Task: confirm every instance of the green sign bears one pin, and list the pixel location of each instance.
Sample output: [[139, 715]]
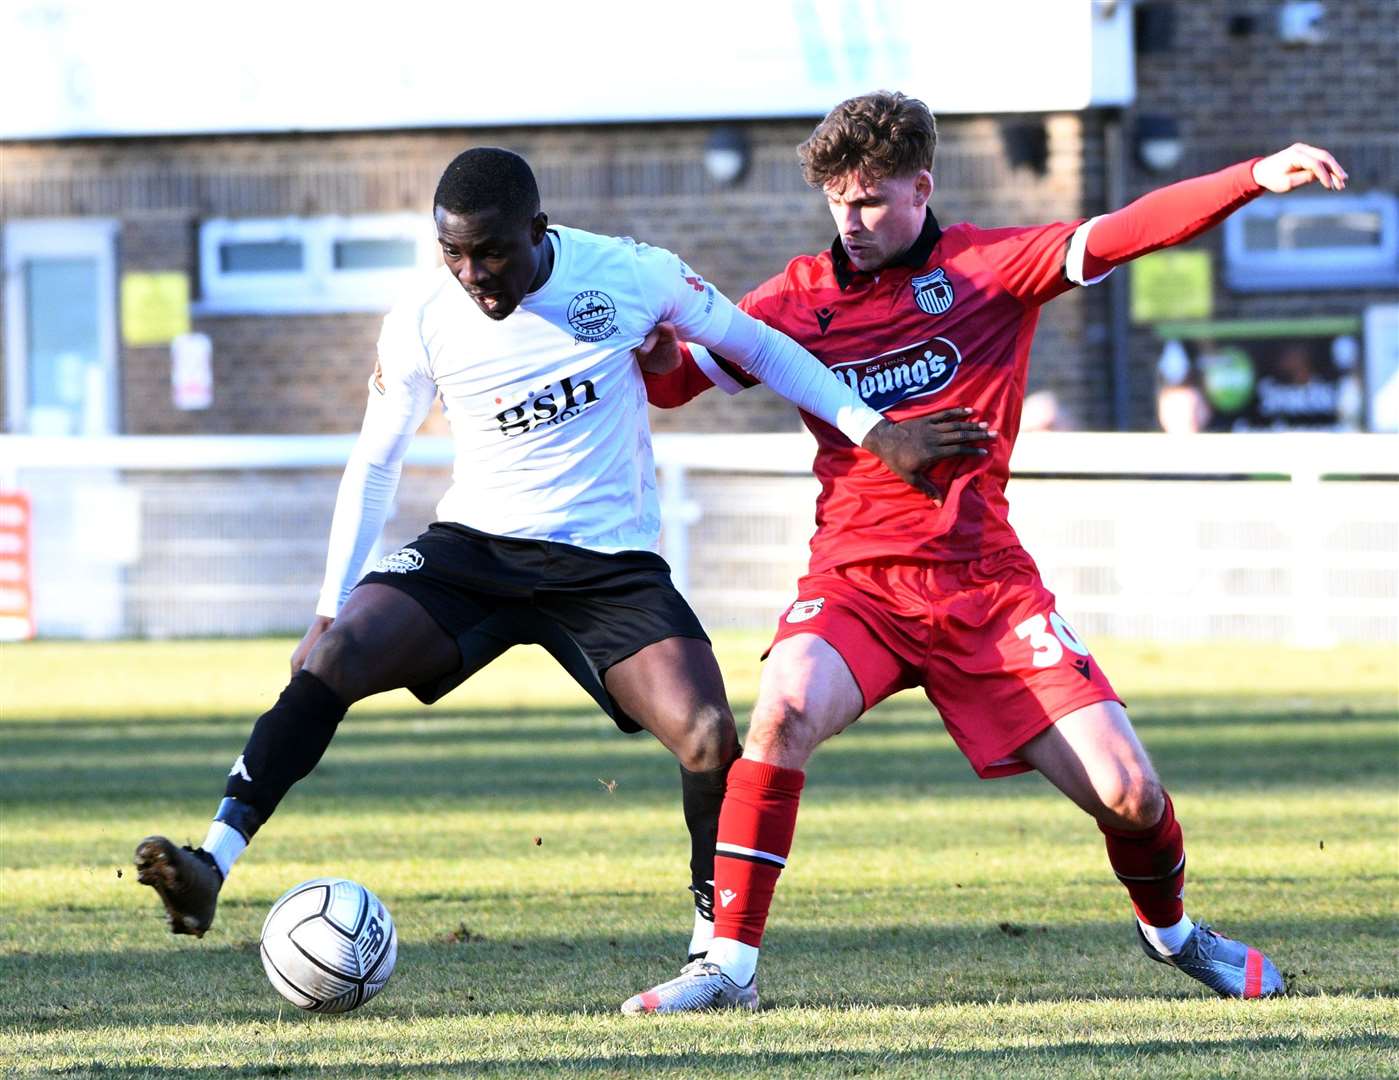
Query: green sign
[[1227, 377], [1172, 285]]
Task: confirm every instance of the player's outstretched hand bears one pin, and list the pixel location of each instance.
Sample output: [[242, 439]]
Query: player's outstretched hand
[[659, 351], [308, 642], [1297, 165], [911, 447]]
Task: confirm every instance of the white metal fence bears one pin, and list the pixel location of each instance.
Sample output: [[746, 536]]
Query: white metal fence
[[1289, 537]]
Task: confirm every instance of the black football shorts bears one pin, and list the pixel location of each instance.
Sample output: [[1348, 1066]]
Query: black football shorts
[[588, 609]]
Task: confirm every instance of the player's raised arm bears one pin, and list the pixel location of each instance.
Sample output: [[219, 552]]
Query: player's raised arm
[[400, 395], [1181, 211]]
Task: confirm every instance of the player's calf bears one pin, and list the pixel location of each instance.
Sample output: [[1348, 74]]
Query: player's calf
[[186, 879]]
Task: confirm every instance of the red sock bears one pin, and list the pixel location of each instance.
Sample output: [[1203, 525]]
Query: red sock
[[755, 835], [1151, 864]]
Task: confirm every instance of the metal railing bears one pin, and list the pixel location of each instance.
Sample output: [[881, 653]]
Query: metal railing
[[1285, 537]]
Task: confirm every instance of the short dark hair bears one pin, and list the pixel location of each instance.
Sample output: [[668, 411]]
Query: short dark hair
[[874, 136], [489, 178]]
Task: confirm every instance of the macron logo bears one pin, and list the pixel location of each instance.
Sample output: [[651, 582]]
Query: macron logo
[[240, 769], [726, 896]]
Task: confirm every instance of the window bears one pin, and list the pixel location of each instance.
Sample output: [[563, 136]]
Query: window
[[307, 265], [388, 254], [1332, 241], [260, 256]]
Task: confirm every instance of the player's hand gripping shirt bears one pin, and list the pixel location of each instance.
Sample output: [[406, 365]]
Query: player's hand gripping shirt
[[947, 325], [547, 407]]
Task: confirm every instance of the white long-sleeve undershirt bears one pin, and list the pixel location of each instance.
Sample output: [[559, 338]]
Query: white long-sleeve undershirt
[[776, 360], [365, 496]]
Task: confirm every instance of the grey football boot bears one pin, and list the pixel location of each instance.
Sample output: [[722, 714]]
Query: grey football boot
[[1228, 967], [186, 879], [699, 987]]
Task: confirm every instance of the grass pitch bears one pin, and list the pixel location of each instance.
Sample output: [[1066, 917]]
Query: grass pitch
[[930, 924]]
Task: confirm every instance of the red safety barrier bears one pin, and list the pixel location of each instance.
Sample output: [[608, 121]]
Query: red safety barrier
[[16, 577]]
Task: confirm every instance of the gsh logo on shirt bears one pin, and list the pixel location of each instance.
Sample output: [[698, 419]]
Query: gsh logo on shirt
[[548, 406]]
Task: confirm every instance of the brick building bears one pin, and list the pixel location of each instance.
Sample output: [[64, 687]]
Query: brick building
[[1217, 71], [648, 181]]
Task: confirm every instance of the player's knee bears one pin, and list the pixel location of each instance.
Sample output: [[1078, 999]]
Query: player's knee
[[1135, 802], [783, 726], [710, 739], [336, 657]]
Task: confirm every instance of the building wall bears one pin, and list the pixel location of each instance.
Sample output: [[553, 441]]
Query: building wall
[[306, 373], [1237, 91], [1232, 86]]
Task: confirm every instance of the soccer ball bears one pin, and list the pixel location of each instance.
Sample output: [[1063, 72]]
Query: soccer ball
[[328, 945]]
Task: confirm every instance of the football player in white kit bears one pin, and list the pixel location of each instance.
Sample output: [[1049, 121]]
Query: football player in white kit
[[548, 533]]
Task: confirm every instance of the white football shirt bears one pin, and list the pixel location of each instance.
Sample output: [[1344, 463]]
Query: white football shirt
[[547, 407]]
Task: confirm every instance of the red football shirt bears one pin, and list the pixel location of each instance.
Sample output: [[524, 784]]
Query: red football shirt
[[949, 324]]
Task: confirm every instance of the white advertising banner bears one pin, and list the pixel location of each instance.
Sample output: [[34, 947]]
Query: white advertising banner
[[151, 67]]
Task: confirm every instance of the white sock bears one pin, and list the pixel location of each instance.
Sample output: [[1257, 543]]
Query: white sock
[[225, 844], [1168, 939], [735, 959], [702, 934]]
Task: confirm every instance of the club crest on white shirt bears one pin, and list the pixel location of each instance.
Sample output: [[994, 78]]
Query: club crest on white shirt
[[593, 316], [806, 609]]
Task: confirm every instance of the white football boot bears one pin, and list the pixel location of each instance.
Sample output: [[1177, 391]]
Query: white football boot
[[699, 987]]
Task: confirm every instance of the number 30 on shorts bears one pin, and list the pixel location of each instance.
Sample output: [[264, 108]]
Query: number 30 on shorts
[[1049, 647]]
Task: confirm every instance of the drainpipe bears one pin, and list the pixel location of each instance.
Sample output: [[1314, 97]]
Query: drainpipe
[[1119, 327]]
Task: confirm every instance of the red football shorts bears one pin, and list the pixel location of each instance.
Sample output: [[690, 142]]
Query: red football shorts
[[981, 638]]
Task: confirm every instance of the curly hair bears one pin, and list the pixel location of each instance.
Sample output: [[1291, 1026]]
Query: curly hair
[[874, 136]]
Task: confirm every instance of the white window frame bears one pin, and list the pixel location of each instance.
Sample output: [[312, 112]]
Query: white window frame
[[317, 287], [1315, 268]]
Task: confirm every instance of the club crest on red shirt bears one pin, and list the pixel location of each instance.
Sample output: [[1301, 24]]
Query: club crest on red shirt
[[933, 292]]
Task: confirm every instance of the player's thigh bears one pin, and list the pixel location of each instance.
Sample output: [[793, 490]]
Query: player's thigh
[[673, 688], [383, 639], [853, 636], [807, 694], [1005, 665], [1094, 757], [621, 628]]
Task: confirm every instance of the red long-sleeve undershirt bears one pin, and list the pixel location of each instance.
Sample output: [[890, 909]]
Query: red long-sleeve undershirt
[[1168, 215]]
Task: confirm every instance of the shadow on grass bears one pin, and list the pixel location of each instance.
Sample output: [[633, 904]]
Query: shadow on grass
[[902, 966], [464, 754], [1265, 1053]]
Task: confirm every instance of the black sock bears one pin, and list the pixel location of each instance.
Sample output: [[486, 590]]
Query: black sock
[[287, 742], [702, 794]]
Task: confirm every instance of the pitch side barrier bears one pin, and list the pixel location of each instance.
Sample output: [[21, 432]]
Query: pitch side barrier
[[1266, 537]]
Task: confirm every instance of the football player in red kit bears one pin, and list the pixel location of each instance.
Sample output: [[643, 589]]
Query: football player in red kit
[[908, 589]]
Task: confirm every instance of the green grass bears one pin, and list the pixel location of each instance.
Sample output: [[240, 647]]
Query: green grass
[[930, 924]]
